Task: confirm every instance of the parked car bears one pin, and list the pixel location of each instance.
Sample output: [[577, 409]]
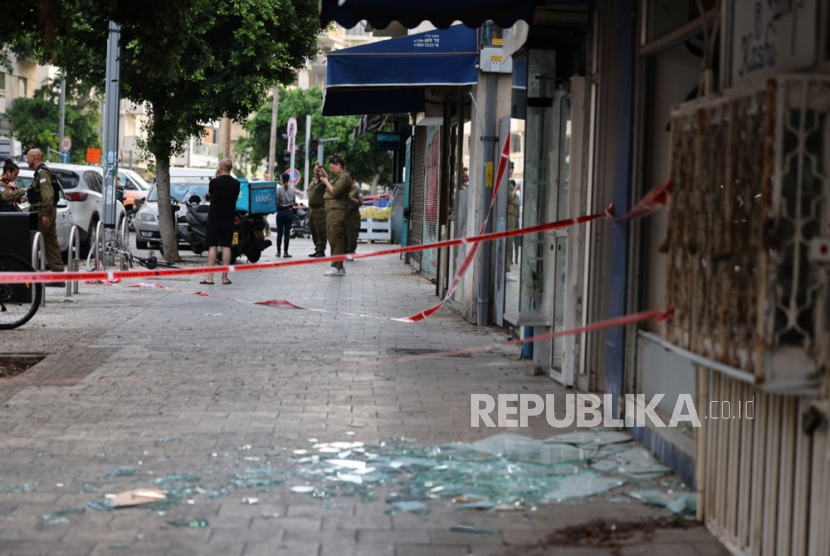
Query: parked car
[[83, 187], [147, 217], [64, 209], [135, 188]]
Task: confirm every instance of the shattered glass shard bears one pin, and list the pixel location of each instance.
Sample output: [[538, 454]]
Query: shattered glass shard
[[651, 497], [597, 437], [579, 486], [412, 506]]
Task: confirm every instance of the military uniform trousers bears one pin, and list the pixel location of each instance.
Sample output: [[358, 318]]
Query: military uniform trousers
[[337, 216], [353, 230], [50, 238], [317, 223]]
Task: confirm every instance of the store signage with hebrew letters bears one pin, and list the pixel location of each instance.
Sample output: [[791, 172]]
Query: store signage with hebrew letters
[[772, 36]]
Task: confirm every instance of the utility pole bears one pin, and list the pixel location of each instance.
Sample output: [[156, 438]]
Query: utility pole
[[63, 116], [307, 141], [111, 106], [272, 152]]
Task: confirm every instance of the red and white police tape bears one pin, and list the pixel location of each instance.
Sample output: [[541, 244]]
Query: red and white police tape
[[658, 315], [645, 207]]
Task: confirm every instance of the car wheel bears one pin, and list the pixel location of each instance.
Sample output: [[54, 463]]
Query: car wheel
[[254, 255], [141, 244], [131, 220], [197, 248], [86, 244]]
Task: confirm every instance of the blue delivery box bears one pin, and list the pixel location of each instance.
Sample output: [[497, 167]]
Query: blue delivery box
[[258, 197]]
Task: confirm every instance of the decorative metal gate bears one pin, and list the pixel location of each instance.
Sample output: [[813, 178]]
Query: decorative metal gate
[[432, 179], [746, 275]]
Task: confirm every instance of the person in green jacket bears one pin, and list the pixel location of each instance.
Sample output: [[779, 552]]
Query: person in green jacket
[[353, 226], [337, 210], [317, 214], [10, 195], [41, 201]]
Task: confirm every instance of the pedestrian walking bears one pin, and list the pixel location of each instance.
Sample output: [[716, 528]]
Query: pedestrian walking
[[286, 199], [337, 210], [44, 201], [223, 191], [353, 225], [10, 194], [317, 213]]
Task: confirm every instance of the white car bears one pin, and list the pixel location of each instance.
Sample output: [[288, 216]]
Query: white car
[[83, 187]]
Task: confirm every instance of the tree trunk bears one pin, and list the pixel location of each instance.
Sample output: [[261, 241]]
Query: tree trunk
[[373, 190], [168, 227]]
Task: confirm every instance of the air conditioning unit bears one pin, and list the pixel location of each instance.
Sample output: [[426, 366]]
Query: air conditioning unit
[[749, 233]]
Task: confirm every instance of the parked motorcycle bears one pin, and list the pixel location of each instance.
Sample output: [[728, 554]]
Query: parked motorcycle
[[300, 227], [249, 236]]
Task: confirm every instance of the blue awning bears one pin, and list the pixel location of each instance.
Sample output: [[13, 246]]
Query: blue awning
[[441, 13], [391, 76]]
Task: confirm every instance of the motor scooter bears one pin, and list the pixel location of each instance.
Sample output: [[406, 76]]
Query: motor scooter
[[248, 231], [195, 228], [299, 228]]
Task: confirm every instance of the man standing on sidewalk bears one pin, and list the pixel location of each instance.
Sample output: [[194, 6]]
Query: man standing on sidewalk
[[42, 200], [317, 213], [223, 192]]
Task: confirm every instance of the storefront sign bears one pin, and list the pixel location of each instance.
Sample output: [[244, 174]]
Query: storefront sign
[[387, 141], [772, 36]]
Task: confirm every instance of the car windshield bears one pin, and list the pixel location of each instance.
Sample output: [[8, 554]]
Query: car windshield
[[25, 182], [137, 179], [180, 191]]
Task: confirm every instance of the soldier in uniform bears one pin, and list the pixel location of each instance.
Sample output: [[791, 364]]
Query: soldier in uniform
[[317, 213], [10, 195], [42, 201], [337, 210], [353, 225]]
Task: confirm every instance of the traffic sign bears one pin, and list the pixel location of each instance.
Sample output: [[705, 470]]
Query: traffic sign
[[66, 144], [295, 175], [93, 156]]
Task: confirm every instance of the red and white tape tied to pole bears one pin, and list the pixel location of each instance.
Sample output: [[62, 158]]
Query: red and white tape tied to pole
[[651, 202], [656, 315]]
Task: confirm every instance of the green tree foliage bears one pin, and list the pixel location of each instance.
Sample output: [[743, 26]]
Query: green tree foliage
[[188, 62], [364, 162], [35, 120]]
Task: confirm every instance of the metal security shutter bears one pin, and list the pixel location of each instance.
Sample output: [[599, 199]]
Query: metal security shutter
[[416, 182], [432, 178]]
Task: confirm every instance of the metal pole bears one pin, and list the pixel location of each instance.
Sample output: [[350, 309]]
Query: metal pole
[[292, 144], [272, 151], [63, 116], [112, 97], [488, 151], [307, 141]]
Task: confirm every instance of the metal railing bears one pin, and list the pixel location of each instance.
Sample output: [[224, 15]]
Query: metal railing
[[124, 254], [39, 253], [100, 263], [73, 261]]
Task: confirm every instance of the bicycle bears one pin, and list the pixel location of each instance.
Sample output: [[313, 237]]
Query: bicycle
[[18, 302], [116, 243]]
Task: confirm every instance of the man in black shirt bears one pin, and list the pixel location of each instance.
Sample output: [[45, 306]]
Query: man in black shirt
[[222, 194]]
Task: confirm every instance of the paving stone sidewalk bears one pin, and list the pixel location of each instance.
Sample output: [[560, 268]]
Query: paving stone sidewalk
[[142, 385]]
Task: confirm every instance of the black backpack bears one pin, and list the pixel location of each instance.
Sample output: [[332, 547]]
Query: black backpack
[[34, 195]]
